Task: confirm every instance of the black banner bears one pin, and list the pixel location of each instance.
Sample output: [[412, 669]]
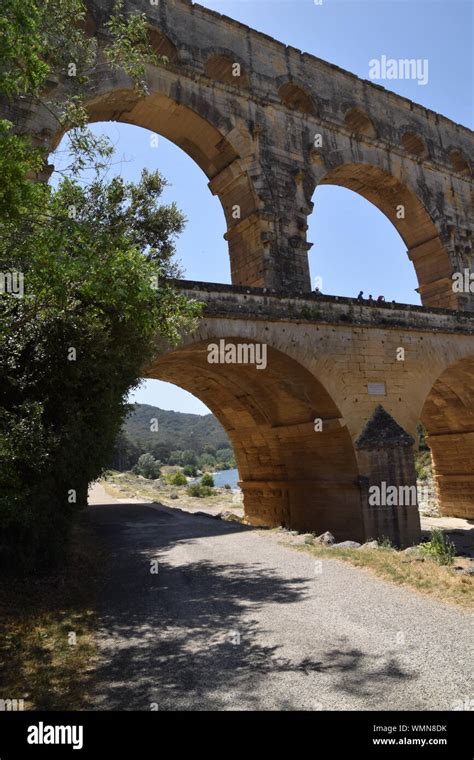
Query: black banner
[[377, 734]]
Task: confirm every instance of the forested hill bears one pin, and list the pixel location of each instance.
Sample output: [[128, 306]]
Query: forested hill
[[176, 431]]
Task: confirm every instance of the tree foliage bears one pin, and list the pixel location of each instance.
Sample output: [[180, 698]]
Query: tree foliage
[[94, 261]]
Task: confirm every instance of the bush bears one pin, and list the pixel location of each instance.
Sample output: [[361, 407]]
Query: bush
[[207, 480], [439, 548], [199, 491], [147, 466], [423, 465], [227, 486], [178, 479], [190, 471]]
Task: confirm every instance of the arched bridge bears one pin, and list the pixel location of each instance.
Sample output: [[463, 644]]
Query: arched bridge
[[333, 412]]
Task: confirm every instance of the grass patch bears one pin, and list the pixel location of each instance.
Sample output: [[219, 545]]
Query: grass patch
[[438, 581], [39, 662]]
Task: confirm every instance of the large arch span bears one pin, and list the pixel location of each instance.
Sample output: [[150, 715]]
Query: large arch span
[[448, 417], [291, 473]]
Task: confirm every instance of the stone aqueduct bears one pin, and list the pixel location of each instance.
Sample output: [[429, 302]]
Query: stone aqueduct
[[330, 358]]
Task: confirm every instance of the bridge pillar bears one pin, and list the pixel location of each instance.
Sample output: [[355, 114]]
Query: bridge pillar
[[305, 505], [266, 205], [388, 481]]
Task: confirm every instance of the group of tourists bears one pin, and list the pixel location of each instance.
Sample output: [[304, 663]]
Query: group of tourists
[[360, 297]]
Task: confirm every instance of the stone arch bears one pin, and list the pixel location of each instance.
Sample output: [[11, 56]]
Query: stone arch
[[448, 417], [223, 152], [220, 66], [459, 162], [297, 98], [413, 144], [359, 123], [290, 474], [413, 221], [162, 44]]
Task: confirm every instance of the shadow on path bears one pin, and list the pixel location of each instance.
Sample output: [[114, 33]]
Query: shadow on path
[[194, 636]]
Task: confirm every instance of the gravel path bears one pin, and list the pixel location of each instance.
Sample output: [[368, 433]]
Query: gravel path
[[234, 620]]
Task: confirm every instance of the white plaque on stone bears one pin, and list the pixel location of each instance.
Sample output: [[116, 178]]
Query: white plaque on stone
[[376, 389]]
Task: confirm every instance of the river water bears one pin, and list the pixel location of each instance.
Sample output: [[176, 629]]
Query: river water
[[226, 476]]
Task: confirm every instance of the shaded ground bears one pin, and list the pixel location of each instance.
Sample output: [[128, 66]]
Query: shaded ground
[[234, 620]]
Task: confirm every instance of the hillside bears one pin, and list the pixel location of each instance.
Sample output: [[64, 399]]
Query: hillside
[[176, 431]]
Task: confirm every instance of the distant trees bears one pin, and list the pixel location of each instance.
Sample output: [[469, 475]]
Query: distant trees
[[206, 460], [189, 430], [225, 458], [189, 457], [126, 453]]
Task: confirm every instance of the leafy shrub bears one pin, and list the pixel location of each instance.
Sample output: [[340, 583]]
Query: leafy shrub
[[199, 491], [423, 464], [178, 479], [190, 471], [147, 466], [439, 548], [207, 480]]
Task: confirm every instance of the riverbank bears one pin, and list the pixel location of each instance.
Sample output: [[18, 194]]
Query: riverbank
[[123, 485]]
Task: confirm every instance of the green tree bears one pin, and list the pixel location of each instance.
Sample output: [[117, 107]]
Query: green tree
[[125, 454], [189, 457], [207, 480], [147, 466], [95, 262], [206, 460], [175, 457]]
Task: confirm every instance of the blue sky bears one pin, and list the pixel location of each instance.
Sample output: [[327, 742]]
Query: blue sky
[[355, 246]]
